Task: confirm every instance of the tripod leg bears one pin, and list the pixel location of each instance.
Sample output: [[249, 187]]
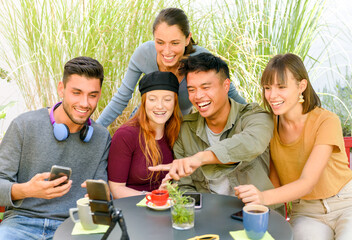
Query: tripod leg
[[123, 227], [117, 216], [107, 233]]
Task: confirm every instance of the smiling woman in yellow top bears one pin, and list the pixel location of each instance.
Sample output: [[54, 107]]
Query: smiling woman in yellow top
[[309, 164]]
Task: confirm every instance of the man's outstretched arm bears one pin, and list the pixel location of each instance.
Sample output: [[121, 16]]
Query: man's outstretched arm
[[186, 166]]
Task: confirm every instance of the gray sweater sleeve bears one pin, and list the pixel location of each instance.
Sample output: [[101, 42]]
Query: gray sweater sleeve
[[143, 60], [101, 172], [29, 147], [10, 155], [234, 94]]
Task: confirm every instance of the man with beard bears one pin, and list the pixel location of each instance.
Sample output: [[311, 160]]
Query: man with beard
[[62, 135]]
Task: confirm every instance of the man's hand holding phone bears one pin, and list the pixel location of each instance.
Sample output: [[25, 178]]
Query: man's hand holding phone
[[58, 185], [58, 172], [39, 187], [49, 189]]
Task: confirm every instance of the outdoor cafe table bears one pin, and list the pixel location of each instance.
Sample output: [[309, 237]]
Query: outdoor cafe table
[[212, 218]]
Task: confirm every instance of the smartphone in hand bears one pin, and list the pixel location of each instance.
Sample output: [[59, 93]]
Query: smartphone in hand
[[60, 171]]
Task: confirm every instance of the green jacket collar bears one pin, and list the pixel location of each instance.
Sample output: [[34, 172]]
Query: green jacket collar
[[197, 124]]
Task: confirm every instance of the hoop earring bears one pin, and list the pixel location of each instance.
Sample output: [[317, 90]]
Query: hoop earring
[[301, 99]]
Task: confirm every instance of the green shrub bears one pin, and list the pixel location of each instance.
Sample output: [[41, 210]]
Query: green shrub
[[3, 109], [340, 103], [40, 36]]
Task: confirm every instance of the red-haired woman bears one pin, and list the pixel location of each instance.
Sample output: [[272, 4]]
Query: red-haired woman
[[172, 42], [146, 139]]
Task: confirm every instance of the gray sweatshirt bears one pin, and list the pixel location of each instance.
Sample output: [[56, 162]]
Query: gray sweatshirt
[[29, 147]]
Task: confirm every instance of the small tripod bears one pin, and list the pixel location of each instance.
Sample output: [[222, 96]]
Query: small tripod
[[110, 218]]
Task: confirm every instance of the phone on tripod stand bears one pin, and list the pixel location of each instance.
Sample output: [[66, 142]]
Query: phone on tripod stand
[[102, 208], [99, 201]]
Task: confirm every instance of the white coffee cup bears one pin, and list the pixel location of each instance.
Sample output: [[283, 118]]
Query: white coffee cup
[[84, 214]]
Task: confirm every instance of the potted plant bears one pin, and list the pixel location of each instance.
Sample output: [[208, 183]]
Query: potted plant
[[182, 208]]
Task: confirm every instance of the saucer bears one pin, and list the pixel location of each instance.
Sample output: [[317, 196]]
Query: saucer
[[159, 208]]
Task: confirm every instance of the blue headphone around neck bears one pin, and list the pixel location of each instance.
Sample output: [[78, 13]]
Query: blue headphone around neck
[[61, 131]]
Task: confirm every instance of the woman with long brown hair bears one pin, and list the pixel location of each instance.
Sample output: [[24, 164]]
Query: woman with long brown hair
[[146, 139], [309, 164], [172, 42]]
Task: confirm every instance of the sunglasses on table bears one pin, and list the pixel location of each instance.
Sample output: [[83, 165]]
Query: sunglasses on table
[[206, 237]]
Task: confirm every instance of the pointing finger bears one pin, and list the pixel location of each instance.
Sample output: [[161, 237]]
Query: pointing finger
[[161, 167]]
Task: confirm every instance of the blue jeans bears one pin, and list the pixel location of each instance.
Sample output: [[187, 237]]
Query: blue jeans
[[19, 227]]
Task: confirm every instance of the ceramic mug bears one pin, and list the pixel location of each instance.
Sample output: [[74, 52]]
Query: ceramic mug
[[158, 197], [84, 214], [255, 220]]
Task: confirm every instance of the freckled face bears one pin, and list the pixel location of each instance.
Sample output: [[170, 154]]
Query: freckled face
[[159, 106]]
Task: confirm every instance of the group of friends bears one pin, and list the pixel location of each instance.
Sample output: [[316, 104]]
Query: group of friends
[[191, 126]]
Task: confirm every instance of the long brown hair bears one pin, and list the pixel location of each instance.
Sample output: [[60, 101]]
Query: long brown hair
[[147, 141], [277, 67]]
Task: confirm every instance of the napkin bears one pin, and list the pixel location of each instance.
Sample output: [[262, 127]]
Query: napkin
[[142, 203], [241, 235], [78, 229]]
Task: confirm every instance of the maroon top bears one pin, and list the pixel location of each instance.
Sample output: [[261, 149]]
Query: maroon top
[[127, 163]]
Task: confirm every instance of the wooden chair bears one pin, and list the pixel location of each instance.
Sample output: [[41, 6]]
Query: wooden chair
[[348, 146]]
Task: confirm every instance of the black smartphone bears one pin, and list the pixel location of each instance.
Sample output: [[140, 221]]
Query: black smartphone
[[197, 197], [237, 215], [99, 201], [60, 171]]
